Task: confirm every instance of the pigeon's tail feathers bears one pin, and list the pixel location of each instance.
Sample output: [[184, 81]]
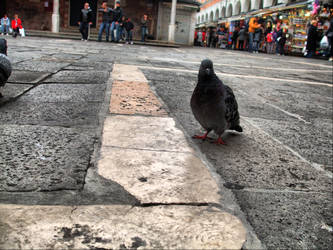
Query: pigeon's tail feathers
[[237, 128]]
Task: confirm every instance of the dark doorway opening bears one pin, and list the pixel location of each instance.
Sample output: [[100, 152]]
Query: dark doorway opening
[[3, 9], [75, 9]]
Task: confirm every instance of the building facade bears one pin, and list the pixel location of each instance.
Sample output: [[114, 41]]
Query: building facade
[[63, 15]]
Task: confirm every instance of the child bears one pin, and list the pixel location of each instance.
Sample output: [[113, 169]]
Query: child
[[129, 26], [269, 42]]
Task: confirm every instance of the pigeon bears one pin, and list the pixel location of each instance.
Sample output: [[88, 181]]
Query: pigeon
[[213, 104]]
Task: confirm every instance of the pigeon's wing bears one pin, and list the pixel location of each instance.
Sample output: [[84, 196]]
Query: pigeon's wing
[[231, 114]]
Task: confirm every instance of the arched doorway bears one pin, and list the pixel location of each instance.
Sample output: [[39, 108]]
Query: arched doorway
[[247, 6], [223, 12]]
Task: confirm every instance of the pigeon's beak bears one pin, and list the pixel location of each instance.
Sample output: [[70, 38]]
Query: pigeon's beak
[[208, 71]]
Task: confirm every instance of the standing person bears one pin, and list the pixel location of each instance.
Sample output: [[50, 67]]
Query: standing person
[[5, 24], [144, 25], [106, 19], [16, 25], [199, 38], [269, 43], [256, 40], [241, 38], [234, 38], [329, 35], [115, 26], [129, 26], [122, 31], [311, 43], [85, 20], [203, 38], [282, 38], [253, 25]]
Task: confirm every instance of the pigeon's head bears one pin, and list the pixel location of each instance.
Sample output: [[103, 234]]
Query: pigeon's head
[[206, 68]]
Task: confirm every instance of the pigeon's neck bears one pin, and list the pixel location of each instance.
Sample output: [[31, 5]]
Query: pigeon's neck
[[206, 81]]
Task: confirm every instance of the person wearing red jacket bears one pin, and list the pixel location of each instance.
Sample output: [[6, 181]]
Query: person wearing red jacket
[[16, 25]]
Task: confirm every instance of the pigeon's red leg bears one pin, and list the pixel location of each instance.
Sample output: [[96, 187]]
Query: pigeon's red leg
[[220, 141], [202, 137]]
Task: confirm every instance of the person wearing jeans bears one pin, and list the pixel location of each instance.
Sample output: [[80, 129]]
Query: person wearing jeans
[[144, 22], [105, 25], [129, 26], [5, 24], [117, 15], [253, 25]]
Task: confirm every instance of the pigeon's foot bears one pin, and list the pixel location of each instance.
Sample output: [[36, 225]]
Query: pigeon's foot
[[220, 141], [201, 137]]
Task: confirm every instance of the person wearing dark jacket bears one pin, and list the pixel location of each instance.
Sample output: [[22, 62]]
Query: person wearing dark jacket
[[311, 43], [85, 20], [115, 25], [106, 19], [329, 35], [281, 41], [256, 39], [129, 26]]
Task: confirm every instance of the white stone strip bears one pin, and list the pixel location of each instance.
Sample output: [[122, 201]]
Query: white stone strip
[[242, 66], [118, 226], [150, 157], [242, 76]]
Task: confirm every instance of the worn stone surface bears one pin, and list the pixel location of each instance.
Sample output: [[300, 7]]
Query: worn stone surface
[[11, 91], [82, 77], [64, 114], [84, 227], [159, 177], [32, 77], [152, 133], [277, 214], [40, 66], [65, 93], [134, 98], [36, 158]]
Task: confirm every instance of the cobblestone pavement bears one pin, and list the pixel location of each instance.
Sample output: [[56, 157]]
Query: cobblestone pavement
[[66, 99]]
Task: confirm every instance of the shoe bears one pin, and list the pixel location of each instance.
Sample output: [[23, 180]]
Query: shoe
[[331, 59], [86, 40], [82, 39], [3, 34], [132, 43], [7, 34], [126, 42]]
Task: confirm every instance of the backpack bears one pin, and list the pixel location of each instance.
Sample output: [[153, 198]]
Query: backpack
[[3, 46], [269, 37]]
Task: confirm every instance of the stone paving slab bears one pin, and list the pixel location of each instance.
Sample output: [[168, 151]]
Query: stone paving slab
[[134, 98], [44, 113], [159, 177], [22, 76], [118, 227], [284, 219], [138, 132], [40, 66], [65, 93], [37, 158], [11, 91], [81, 77]]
